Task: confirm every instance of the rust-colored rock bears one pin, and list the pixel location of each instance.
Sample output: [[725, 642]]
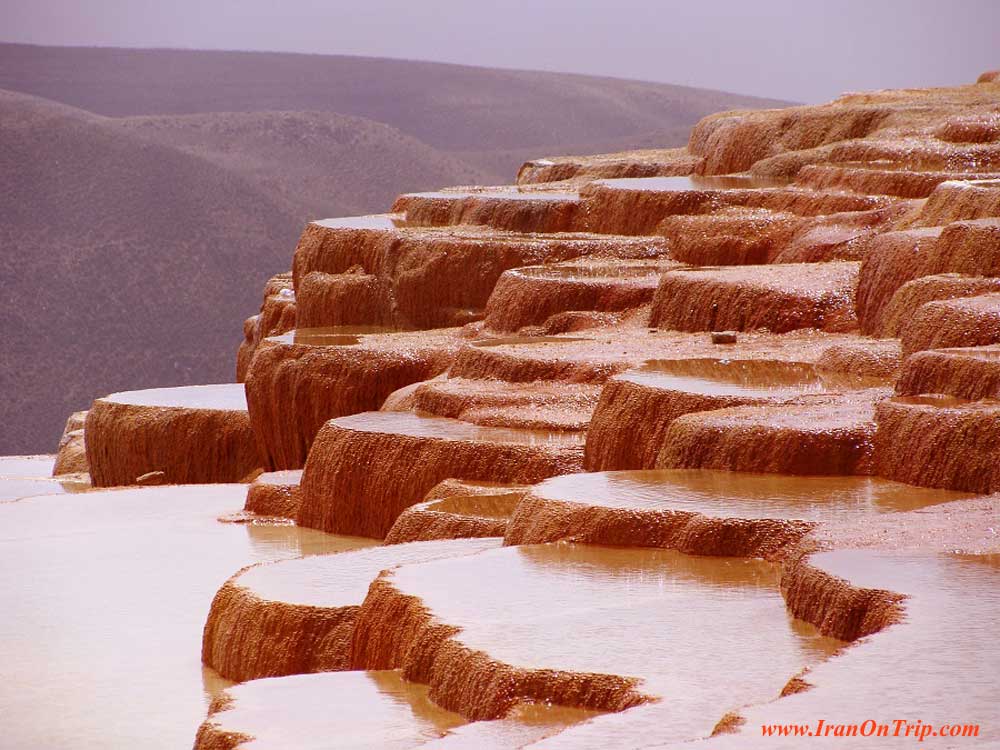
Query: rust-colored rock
[[501, 208], [71, 457], [638, 206], [872, 358], [636, 409], [968, 321], [299, 381], [645, 163], [379, 270], [959, 201], [277, 315], [533, 295], [645, 509], [777, 297], [970, 373], [540, 405], [297, 616], [825, 435], [939, 441], [275, 493], [835, 606], [457, 509], [345, 492], [913, 295], [193, 434]]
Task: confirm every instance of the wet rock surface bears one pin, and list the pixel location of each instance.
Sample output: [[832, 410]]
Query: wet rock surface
[[732, 408]]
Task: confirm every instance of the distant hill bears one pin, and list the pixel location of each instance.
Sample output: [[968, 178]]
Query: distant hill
[[450, 107], [140, 215]]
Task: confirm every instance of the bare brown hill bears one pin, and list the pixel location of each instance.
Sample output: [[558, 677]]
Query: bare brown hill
[[450, 107], [134, 235], [319, 163]]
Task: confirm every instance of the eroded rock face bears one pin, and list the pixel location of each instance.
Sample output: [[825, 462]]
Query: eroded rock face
[[696, 328], [298, 616], [194, 434], [299, 381], [345, 491]]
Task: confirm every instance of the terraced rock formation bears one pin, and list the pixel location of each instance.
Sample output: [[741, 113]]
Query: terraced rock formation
[[649, 449]]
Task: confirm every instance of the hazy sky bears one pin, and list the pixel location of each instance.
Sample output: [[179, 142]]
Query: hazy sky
[[803, 50]]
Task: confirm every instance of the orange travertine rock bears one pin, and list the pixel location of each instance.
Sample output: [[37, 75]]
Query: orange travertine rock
[[638, 206], [509, 208], [704, 512], [824, 435], [457, 509], [644, 163], [277, 315], [529, 635], [275, 493], [539, 405], [533, 295], [380, 270], [345, 491], [868, 358], [193, 434], [626, 592], [970, 373], [780, 298], [297, 616], [913, 295], [300, 380], [873, 178], [71, 456], [939, 441], [630, 424], [960, 200], [892, 260], [968, 321]]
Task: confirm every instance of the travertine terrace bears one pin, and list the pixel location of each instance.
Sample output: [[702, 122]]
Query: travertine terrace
[[648, 449]]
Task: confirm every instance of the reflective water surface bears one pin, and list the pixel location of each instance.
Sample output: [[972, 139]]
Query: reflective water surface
[[939, 665], [444, 428], [28, 476], [328, 336], [750, 378], [373, 221], [744, 181], [343, 579], [743, 495], [705, 634], [349, 710], [222, 396], [104, 596]]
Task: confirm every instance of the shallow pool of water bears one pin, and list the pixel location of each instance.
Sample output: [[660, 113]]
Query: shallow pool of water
[[444, 428], [705, 634], [222, 396], [104, 599], [748, 378], [938, 666], [742, 495]]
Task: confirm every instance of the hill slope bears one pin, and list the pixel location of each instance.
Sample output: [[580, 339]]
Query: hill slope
[[135, 237], [453, 107]]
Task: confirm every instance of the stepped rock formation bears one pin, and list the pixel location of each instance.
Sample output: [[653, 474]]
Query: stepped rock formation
[[194, 434], [349, 488], [716, 400], [457, 509], [298, 616]]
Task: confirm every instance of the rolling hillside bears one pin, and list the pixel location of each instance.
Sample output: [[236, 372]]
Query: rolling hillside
[[151, 192]]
